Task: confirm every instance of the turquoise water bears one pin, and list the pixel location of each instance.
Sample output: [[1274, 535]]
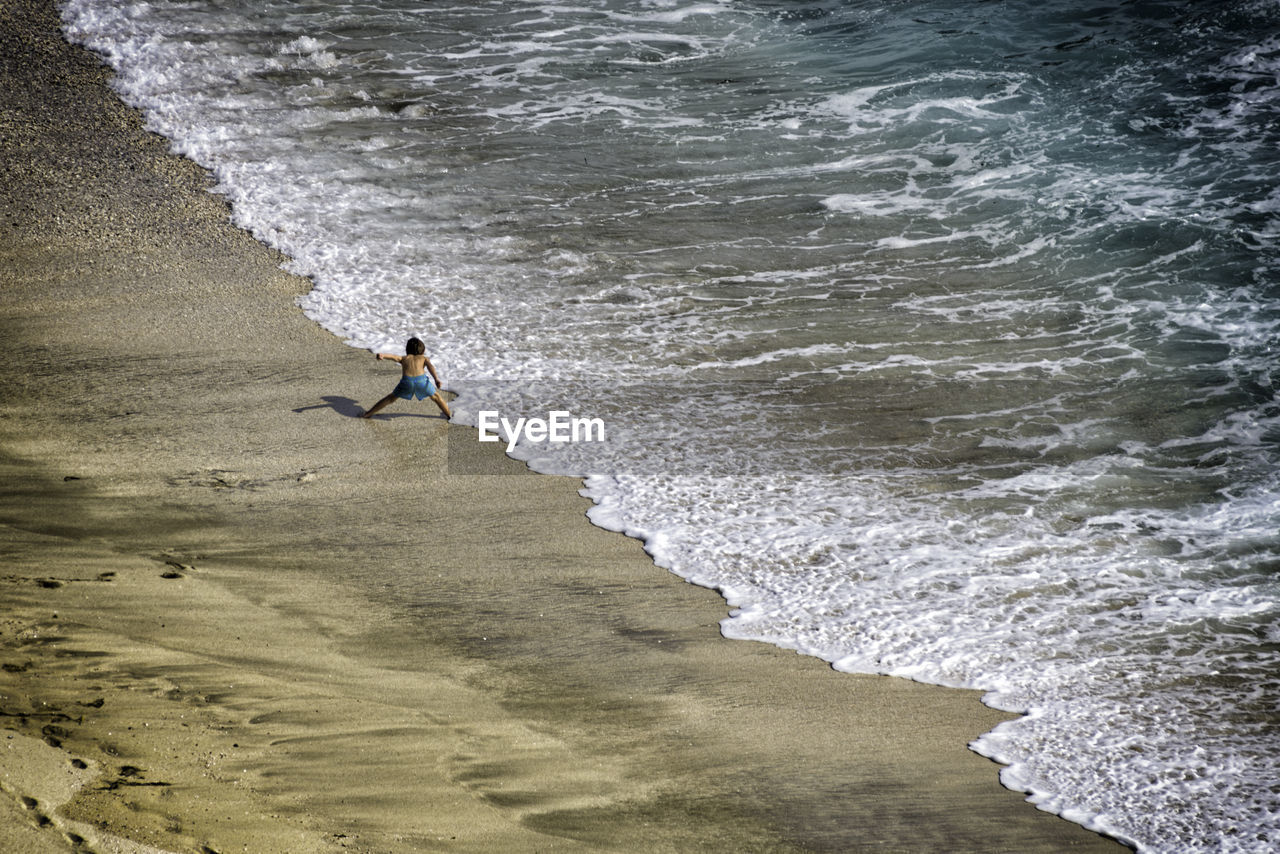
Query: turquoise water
[[940, 337]]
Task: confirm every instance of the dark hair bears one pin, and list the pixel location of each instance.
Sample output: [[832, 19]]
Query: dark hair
[[415, 347]]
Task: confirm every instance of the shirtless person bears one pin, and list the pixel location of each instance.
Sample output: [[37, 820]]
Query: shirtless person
[[414, 380]]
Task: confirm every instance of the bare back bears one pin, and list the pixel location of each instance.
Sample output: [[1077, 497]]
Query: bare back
[[412, 366]]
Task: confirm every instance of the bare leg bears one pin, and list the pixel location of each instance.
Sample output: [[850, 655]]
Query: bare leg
[[440, 402], [379, 406]]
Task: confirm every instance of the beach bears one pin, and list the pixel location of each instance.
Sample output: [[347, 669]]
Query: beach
[[194, 661]]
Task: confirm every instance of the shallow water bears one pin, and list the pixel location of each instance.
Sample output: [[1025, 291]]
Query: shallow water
[[938, 336]]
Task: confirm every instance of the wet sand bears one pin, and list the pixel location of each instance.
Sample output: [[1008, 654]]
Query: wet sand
[[236, 617]]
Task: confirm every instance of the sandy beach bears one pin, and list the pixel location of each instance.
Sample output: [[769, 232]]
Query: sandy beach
[[194, 658]]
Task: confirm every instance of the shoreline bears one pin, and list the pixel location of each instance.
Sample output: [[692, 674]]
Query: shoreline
[[239, 618]]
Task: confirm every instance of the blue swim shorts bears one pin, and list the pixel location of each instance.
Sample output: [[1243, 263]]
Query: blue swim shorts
[[421, 385]]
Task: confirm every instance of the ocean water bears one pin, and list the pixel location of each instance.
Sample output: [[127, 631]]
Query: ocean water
[[940, 337]]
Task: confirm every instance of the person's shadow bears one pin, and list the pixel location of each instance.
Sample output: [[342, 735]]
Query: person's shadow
[[348, 408], [344, 406]]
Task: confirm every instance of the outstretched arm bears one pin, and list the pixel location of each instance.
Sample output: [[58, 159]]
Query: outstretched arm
[[390, 357]]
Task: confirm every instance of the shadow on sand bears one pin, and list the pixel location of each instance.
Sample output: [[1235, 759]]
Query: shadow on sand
[[349, 408], [344, 406]]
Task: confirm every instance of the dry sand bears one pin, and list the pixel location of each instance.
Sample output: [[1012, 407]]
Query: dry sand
[[238, 618]]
